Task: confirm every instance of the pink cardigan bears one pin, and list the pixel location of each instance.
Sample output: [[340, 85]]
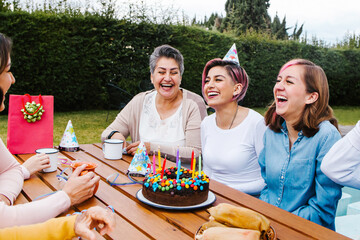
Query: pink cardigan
[[11, 176], [11, 182]]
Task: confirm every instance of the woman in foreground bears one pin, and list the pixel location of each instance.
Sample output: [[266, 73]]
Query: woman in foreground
[[301, 131], [78, 225], [76, 190]]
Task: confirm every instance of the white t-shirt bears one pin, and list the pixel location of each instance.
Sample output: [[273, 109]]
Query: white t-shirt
[[231, 156], [152, 129]]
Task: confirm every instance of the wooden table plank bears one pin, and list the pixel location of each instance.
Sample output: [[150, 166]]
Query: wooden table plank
[[275, 214], [21, 199], [139, 215], [279, 218], [182, 220], [136, 220], [37, 185]]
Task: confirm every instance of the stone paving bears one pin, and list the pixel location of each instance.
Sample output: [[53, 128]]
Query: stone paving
[[344, 129]]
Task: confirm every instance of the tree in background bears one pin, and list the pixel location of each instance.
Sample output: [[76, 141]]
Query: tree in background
[[297, 32], [243, 15], [212, 23], [4, 6], [279, 29], [351, 41]]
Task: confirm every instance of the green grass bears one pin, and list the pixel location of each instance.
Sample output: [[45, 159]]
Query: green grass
[[260, 110], [88, 125], [345, 115]]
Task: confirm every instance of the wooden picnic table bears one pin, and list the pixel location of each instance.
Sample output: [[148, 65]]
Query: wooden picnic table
[[136, 220]]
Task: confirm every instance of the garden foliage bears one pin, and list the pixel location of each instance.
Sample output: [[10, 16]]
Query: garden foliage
[[73, 57]]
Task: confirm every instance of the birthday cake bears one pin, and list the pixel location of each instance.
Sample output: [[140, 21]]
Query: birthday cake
[[167, 190]]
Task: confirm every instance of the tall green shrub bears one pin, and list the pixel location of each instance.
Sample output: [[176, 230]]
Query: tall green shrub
[[73, 57]]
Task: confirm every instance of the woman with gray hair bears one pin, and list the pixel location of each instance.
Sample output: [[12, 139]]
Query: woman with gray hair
[[168, 116]]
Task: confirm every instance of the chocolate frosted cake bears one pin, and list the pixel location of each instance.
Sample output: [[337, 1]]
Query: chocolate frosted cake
[[167, 191]]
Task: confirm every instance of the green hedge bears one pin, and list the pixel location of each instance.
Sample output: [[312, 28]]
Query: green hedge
[[72, 58]]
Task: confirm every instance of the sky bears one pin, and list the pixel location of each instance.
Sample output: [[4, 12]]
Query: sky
[[328, 20]]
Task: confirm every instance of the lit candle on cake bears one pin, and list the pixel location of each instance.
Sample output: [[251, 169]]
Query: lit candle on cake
[[178, 170], [154, 171], [163, 168]]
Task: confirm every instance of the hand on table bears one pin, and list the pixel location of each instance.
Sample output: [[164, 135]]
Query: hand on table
[[79, 188], [102, 219], [37, 162], [131, 148]]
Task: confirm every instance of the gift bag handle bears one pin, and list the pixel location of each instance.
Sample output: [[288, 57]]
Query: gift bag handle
[[40, 101]]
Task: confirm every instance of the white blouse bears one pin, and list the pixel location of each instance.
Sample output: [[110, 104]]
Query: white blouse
[[152, 129]]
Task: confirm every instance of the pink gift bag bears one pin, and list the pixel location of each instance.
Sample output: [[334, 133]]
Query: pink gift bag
[[24, 137]]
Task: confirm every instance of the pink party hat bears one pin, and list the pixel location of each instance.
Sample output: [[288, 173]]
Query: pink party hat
[[232, 55], [69, 142]]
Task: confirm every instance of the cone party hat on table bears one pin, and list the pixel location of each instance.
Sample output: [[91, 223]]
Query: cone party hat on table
[[232, 55], [140, 164], [69, 142]]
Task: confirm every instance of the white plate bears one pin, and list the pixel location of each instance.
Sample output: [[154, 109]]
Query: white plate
[[210, 200]]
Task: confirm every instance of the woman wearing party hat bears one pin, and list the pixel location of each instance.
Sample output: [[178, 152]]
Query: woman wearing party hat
[[231, 138]]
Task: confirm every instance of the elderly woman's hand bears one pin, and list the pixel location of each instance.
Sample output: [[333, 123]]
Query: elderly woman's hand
[[37, 162], [79, 188], [102, 219], [131, 148]]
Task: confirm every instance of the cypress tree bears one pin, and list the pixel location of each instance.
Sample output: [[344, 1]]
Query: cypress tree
[[243, 15]]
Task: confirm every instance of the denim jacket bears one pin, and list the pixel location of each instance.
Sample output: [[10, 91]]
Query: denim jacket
[[294, 180]]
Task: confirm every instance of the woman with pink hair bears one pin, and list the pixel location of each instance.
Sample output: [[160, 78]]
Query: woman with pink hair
[[231, 138]]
